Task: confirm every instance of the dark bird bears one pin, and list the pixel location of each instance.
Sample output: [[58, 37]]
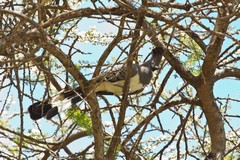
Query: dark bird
[[110, 82]]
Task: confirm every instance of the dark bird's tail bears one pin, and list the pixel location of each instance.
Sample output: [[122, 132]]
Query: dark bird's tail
[[38, 110], [49, 109]]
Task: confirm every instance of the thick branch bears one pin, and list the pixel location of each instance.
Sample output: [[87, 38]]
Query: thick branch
[[86, 12], [227, 72], [215, 45], [214, 121], [205, 89]]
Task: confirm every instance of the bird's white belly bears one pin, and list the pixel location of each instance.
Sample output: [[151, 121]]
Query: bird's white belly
[[135, 84], [116, 87]]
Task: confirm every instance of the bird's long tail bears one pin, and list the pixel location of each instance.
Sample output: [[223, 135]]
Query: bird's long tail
[[49, 109], [38, 110]]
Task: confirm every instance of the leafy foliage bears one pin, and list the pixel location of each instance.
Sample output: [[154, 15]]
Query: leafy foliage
[[194, 55], [80, 118]]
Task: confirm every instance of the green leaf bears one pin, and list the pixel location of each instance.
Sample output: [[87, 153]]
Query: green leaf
[[193, 63], [81, 119]]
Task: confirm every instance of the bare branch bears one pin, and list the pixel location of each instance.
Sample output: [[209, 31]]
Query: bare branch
[[227, 72]]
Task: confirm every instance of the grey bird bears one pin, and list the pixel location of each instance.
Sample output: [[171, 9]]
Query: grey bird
[[108, 83]]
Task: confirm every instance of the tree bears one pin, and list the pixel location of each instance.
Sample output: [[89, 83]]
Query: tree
[[44, 50]]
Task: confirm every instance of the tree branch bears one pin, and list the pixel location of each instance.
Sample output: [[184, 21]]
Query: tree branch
[[90, 96], [227, 72], [156, 112], [85, 12], [65, 142], [174, 62], [189, 32], [110, 47], [133, 52], [215, 45]]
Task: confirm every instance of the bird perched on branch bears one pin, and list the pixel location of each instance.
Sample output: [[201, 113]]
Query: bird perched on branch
[[107, 83]]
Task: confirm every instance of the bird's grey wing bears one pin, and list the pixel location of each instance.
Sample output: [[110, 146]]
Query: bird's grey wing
[[117, 74]]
